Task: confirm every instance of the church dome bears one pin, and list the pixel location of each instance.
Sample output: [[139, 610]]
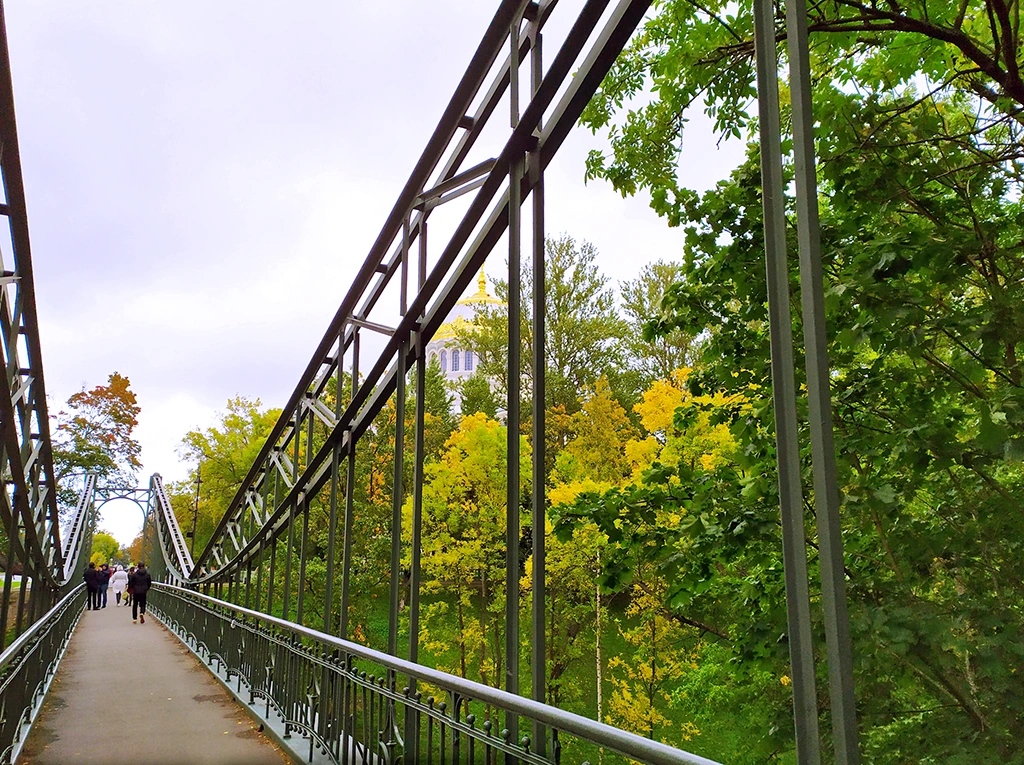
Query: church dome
[[465, 310], [458, 363]]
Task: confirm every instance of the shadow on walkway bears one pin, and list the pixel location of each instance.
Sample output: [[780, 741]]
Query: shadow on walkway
[[132, 693]]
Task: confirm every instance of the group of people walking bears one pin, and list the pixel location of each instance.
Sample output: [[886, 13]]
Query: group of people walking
[[134, 584]]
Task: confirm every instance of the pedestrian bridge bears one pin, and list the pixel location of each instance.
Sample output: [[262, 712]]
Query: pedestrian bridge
[[134, 693], [264, 608], [208, 682]]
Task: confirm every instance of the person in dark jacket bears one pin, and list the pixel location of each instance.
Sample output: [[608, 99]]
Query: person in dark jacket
[[92, 587], [104, 572], [139, 583], [128, 589]]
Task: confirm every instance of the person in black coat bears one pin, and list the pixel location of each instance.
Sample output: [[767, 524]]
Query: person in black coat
[[139, 583], [92, 587]]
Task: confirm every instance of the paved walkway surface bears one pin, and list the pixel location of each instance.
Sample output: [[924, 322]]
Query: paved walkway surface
[[133, 694]]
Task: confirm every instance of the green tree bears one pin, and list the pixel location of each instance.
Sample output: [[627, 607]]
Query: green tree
[[222, 455], [700, 56], [583, 329], [477, 396], [920, 143], [464, 549], [658, 358], [596, 450], [104, 547], [438, 400], [643, 682], [571, 608], [926, 332]]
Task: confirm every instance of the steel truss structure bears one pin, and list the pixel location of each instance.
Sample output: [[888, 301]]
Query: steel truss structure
[[40, 602], [273, 499], [37, 567], [508, 117]]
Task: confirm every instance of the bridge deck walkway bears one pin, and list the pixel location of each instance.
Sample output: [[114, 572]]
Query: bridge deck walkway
[[132, 693]]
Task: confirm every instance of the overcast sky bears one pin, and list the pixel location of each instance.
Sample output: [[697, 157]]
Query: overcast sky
[[205, 178]]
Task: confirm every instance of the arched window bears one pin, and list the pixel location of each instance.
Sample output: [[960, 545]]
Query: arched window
[[469, 361], [455, 361], [432, 359], [444, 361]]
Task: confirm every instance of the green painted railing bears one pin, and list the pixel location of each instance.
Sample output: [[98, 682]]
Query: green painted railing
[[353, 704], [28, 665]]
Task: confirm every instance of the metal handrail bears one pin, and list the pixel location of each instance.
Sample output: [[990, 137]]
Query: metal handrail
[[38, 626], [28, 666], [599, 733]]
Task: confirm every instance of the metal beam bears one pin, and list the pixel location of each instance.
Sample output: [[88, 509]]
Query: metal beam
[[794, 551]]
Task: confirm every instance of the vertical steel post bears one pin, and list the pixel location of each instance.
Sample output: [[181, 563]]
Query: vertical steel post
[[12, 533], [346, 569], [794, 552], [514, 395], [411, 733], [826, 488], [292, 516], [271, 575], [538, 656], [195, 510], [268, 503], [259, 576], [346, 551], [403, 283], [331, 539], [397, 497], [248, 582], [398, 484], [34, 595], [286, 595], [26, 577], [303, 546]]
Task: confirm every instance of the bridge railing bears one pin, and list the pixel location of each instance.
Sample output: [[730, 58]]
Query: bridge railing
[[353, 704], [79, 533], [174, 558], [28, 665]]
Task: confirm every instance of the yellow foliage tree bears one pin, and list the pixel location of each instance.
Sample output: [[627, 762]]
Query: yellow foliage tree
[[600, 431], [464, 546], [698, 444], [593, 460], [642, 684]]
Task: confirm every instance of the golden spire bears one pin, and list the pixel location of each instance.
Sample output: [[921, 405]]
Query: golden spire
[[481, 295]]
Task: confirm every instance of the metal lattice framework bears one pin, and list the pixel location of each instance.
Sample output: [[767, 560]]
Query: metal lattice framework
[[40, 602], [30, 543], [401, 277], [507, 118], [174, 552]]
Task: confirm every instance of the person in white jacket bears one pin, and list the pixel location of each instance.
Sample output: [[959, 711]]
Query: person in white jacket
[[118, 583]]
